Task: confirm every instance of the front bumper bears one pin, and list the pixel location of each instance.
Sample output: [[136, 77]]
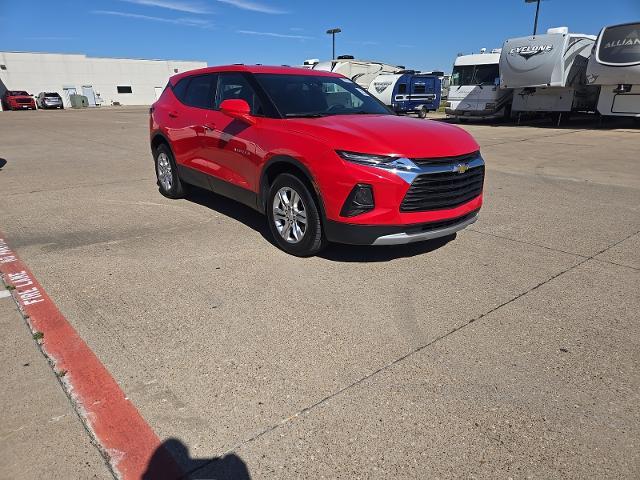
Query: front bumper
[[395, 234]]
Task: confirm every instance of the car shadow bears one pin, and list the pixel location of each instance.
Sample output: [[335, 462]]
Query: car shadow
[[334, 252], [172, 461], [3, 162], [575, 121], [369, 253], [231, 209]]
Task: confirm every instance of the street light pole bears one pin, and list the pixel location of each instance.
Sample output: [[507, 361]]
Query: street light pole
[[535, 22], [333, 32]]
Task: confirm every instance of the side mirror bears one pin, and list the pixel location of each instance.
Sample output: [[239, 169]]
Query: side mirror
[[239, 109]]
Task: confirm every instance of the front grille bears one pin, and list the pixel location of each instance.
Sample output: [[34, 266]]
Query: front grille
[[23, 100], [438, 191]]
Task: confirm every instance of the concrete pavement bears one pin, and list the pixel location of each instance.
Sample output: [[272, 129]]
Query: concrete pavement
[[41, 435], [510, 351]]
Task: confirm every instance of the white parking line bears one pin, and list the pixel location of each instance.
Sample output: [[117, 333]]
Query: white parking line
[[5, 293]]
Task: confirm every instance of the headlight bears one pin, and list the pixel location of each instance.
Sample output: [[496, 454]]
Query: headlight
[[365, 158], [381, 161]]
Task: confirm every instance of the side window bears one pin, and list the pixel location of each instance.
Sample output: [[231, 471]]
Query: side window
[[236, 86], [201, 91]]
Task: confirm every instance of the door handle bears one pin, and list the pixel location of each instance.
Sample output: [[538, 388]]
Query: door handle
[[173, 114]]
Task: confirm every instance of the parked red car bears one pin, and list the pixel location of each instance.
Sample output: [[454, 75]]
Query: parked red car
[[323, 159], [18, 100]]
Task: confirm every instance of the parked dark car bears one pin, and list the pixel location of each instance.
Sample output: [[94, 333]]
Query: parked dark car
[[49, 100], [17, 100]]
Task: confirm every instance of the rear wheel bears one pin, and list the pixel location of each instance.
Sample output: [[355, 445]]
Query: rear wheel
[[422, 113], [294, 218], [167, 174]]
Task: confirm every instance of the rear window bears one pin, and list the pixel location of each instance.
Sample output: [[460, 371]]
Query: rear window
[[52, 95], [620, 44]]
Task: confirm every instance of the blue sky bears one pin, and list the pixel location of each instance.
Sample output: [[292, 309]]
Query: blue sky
[[422, 35]]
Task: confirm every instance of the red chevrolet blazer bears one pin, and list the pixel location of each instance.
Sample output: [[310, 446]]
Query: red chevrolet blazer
[[323, 159]]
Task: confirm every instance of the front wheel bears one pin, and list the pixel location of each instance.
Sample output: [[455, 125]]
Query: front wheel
[[294, 218]]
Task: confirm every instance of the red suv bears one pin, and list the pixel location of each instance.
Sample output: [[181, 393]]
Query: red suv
[[323, 159], [18, 100]]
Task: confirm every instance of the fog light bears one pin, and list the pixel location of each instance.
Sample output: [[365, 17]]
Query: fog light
[[489, 106], [360, 200]]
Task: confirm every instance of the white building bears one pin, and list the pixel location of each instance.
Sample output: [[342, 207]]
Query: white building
[[101, 80]]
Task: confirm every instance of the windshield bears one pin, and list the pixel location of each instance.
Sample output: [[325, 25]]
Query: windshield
[[484, 74], [318, 96], [15, 93], [462, 75], [620, 44]]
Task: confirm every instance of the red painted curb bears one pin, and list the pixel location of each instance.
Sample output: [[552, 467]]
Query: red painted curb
[[115, 422]]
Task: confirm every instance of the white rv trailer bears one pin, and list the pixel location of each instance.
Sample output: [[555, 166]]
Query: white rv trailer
[[360, 71], [473, 87], [310, 62], [548, 72], [615, 66]]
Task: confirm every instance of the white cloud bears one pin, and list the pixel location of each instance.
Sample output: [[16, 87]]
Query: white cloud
[[180, 6], [271, 34], [50, 38], [364, 42], [253, 6], [189, 22]]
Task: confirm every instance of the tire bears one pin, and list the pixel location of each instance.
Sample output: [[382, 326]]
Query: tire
[[422, 113], [167, 177], [297, 238], [506, 115]]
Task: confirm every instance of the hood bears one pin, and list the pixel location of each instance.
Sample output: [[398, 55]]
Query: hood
[[387, 134], [20, 97]]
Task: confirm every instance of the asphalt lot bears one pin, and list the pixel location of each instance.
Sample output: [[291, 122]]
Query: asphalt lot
[[509, 352]]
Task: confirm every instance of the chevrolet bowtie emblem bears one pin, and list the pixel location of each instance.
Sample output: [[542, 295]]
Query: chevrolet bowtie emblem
[[461, 167]]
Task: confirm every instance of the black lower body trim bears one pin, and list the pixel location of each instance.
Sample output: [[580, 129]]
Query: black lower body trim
[[226, 189]]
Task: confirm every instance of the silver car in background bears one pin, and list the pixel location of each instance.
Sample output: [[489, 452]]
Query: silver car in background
[[49, 100]]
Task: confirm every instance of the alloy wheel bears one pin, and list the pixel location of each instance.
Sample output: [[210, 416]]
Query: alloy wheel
[[165, 174], [289, 215]]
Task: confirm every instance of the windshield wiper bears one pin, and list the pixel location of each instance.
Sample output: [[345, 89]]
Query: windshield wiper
[[305, 115]]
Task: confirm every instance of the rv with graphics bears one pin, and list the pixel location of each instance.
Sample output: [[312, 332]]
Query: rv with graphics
[[615, 66], [548, 72], [473, 88], [360, 71], [409, 91]]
